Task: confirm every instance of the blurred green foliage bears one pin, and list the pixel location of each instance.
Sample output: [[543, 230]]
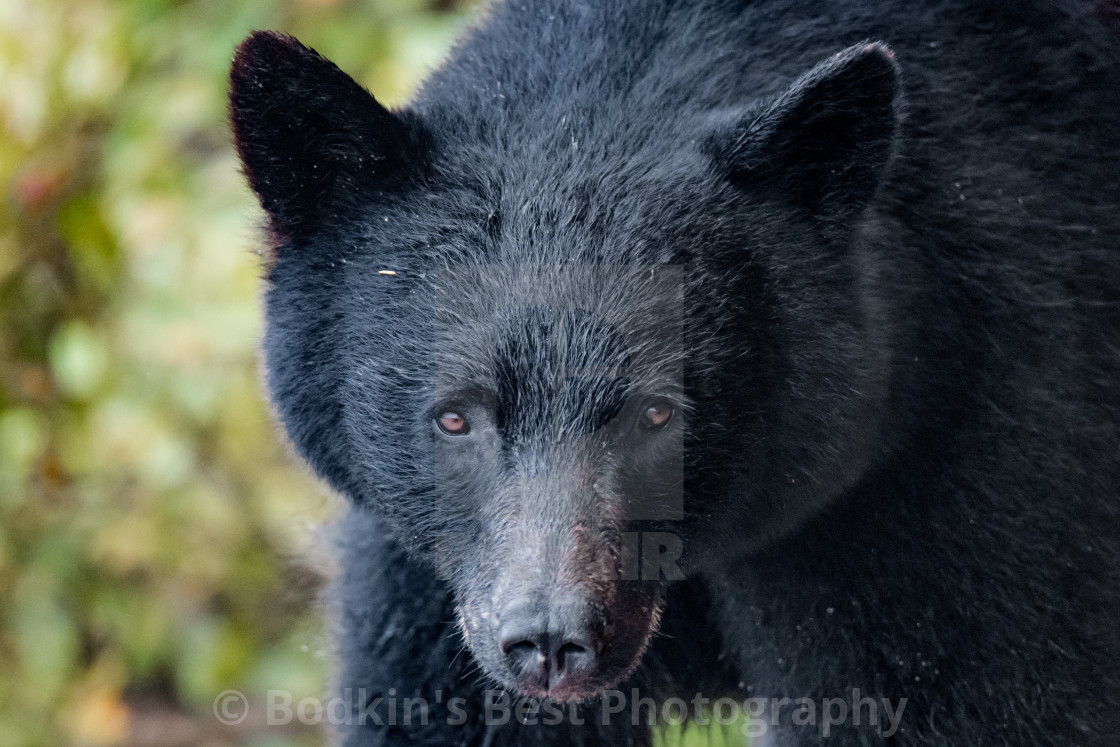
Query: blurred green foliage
[[155, 541], [156, 538]]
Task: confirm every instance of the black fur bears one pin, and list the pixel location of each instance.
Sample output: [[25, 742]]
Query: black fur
[[878, 282]]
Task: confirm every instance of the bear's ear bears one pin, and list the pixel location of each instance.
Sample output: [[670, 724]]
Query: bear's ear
[[823, 143], [306, 131]]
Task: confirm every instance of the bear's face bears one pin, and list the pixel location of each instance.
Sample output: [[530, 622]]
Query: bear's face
[[545, 411], [566, 392]]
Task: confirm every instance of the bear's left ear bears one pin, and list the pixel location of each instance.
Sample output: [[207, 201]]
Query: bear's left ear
[[824, 142], [306, 132]]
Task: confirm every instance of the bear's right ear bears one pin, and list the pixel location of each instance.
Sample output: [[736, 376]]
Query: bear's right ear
[[824, 142], [305, 130]]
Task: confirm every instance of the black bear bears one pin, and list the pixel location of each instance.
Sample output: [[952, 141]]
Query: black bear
[[676, 354]]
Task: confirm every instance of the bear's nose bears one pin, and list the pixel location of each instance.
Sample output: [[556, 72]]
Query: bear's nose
[[551, 653]]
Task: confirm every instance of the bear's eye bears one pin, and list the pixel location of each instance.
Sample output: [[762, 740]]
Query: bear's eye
[[656, 416], [453, 424]]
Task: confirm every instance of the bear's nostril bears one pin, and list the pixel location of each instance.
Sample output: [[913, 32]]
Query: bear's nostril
[[572, 657], [527, 660], [551, 646], [528, 663], [519, 649], [545, 661]]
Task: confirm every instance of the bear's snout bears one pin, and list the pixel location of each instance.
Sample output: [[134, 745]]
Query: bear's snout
[[557, 617], [552, 648]]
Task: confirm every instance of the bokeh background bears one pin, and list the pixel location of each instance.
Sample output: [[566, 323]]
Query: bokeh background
[[157, 540]]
